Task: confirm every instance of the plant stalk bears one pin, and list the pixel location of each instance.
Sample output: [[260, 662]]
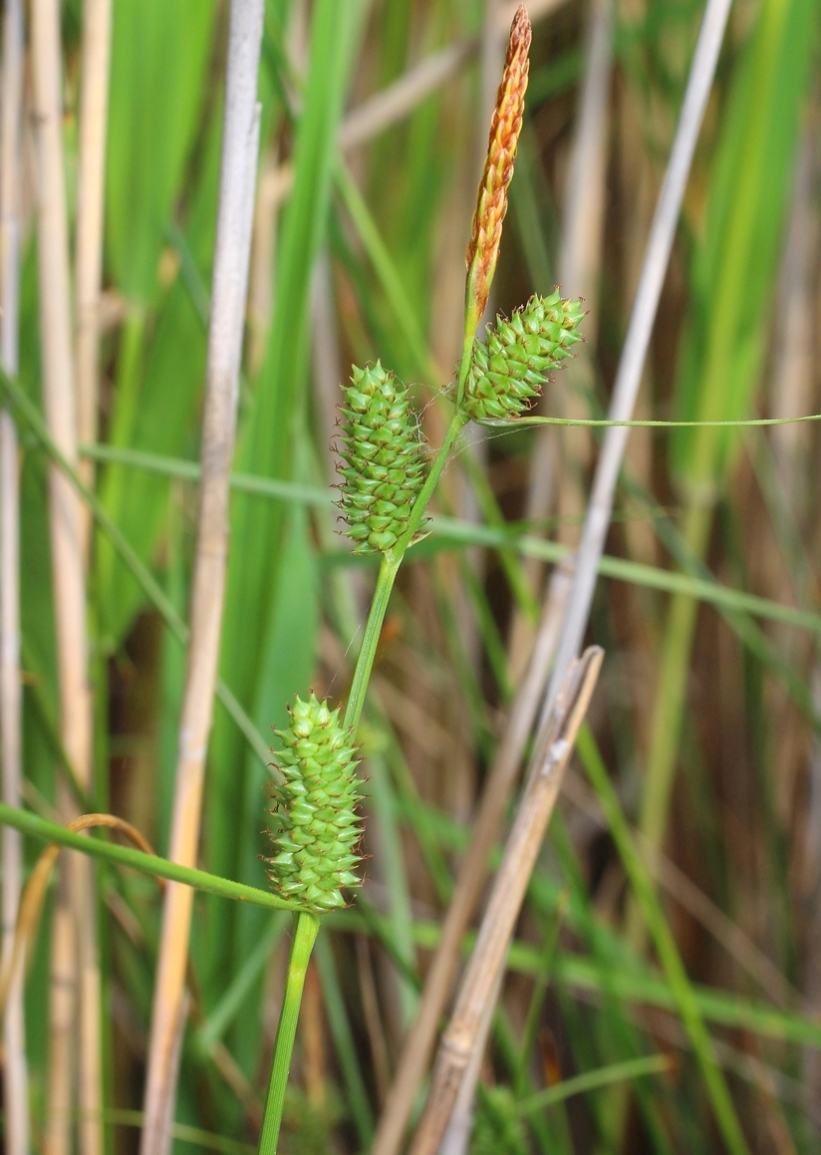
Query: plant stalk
[[388, 570], [307, 926], [96, 54], [15, 1072], [231, 257], [634, 352], [481, 980], [74, 1048]]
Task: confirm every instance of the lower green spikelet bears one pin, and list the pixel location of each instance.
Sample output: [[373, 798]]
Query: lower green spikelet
[[318, 830], [385, 459], [508, 370]]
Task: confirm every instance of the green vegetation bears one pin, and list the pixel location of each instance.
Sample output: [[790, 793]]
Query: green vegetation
[[661, 993]]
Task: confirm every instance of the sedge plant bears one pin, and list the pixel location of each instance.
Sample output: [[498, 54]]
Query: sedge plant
[[388, 479]]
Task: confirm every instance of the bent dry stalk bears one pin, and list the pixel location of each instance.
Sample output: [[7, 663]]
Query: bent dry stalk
[[387, 483]]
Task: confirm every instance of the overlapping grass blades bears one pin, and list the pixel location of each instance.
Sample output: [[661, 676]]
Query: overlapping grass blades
[[389, 271]]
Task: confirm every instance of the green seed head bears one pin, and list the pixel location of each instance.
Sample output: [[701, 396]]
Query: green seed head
[[318, 834], [384, 459], [509, 369]]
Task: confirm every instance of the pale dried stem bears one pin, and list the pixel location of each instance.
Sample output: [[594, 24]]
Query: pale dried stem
[[794, 374], [261, 274], [492, 58], [636, 343], [795, 350], [419, 1044], [61, 1022], [229, 289], [487, 960], [66, 519], [457, 1137], [96, 54], [579, 265], [15, 1073]]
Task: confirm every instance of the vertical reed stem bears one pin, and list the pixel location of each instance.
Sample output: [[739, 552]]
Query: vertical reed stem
[[487, 960], [66, 515], [96, 54], [237, 185], [628, 377], [14, 1039]]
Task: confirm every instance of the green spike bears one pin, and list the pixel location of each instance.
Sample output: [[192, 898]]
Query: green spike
[[315, 845], [384, 459], [508, 370]]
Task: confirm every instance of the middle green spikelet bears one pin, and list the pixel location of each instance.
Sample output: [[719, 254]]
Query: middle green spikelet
[[318, 830], [385, 458]]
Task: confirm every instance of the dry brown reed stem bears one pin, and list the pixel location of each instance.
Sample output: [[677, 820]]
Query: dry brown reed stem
[[15, 1073], [230, 281], [491, 205], [418, 1045], [96, 54], [637, 340], [68, 1046], [580, 249], [509, 888]]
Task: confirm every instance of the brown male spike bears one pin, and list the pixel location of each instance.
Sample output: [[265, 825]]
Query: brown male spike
[[491, 205]]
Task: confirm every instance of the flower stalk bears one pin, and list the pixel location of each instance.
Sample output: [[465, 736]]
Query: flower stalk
[[306, 929], [388, 481]]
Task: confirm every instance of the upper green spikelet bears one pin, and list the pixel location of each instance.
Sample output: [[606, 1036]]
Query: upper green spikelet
[[384, 459], [508, 370], [318, 830]]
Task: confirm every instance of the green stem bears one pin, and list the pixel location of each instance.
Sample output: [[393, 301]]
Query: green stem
[[387, 575], [364, 663], [592, 1081], [457, 423], [307, 926], [150, 864], [471, 321]]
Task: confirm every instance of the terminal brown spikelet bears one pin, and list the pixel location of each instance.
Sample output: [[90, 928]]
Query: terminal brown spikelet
[[491, 206]]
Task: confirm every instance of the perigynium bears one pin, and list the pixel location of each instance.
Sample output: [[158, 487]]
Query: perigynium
[[508, 370], [318, 828], [385, 458]]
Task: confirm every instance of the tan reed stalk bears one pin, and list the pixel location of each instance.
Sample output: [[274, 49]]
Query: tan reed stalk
[[579, 263], [68, 1048], [634, 352], [61, 1021], [456, 1140], [488, 957], [491, 56], [96, 54], [15, 1072], [228, 296], [418, 1045]]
